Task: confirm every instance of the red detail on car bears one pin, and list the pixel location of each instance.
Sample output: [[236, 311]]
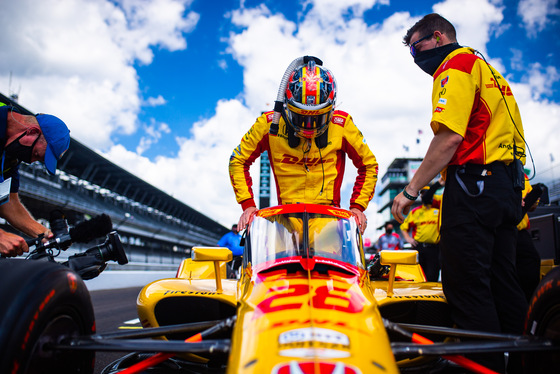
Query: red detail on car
[[313, 367]]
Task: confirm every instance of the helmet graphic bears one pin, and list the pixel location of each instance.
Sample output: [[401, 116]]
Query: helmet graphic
[[309, 100]]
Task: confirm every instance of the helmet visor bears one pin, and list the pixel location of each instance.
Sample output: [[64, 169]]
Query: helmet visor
[[311, 121]]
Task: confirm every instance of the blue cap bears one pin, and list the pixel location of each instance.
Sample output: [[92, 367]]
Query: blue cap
[[57, 135]]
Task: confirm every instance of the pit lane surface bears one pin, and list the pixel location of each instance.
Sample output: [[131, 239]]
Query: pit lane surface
[[112, 309]]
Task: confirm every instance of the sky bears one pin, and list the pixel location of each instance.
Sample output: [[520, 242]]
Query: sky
[[167, 88]]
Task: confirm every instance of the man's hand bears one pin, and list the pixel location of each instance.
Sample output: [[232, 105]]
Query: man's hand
[[12, 245], [245, 217], [412, 242], [48, 234], [400, 205], [442, 148], [362, 220]]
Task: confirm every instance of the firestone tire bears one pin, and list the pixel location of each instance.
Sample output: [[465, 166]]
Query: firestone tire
[[543, 320], [42, 303]]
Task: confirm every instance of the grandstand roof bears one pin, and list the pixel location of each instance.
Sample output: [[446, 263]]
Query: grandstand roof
[[84, 163]]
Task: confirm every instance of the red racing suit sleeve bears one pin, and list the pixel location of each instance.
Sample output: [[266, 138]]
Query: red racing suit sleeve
[[253, 143]]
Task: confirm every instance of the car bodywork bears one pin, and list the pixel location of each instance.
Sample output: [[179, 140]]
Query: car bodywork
[[304, 298]]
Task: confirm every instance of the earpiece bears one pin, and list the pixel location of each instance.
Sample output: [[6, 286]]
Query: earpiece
[[437, 39]]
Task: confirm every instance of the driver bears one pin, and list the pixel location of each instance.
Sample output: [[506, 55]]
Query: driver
[[307, 155], [25, 138]]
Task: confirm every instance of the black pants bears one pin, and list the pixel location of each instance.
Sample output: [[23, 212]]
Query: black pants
[[428, 257], [478, 244]]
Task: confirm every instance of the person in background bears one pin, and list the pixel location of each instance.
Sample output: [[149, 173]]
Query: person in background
[[423, 224], [528, 260], [25, 138], [389, 240], [231, 240], [479, 148]]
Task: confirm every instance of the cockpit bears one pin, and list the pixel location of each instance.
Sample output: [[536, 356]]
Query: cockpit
[[304, 233]]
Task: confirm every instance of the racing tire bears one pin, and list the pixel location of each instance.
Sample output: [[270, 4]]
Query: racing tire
[[543, 320], [42, 303]]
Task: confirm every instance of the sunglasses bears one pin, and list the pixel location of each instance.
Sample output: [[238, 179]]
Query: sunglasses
[[413, 45]]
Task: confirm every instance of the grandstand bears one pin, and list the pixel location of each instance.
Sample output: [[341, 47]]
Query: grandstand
[[154, 227]]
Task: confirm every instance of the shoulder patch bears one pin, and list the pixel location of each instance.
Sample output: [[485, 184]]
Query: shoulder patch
[[269, 116], [339, 117]]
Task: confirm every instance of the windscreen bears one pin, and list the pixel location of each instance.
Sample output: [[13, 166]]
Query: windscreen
[[306, 235]]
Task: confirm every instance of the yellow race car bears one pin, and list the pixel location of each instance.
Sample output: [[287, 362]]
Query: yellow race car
[[307, 302], [304, 301]]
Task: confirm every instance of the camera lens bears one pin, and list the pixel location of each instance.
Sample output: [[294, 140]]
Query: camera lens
[[58, 224]]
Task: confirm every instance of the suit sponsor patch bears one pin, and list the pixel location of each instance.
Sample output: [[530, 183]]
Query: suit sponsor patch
[[338, 120]]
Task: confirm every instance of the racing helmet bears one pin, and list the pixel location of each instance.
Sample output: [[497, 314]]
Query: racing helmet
[[309, 100]]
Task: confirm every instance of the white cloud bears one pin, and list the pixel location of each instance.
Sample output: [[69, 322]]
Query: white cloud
[[541, 79], [153, 135], [538, 14], [81, 53], [331, 13], [155, 101], [475, 23], [198, 175]]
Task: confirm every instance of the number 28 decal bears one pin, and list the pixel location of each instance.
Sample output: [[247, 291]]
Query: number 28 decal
[[294, 296]]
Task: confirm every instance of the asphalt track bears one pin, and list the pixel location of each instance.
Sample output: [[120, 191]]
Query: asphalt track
[[112, 309]]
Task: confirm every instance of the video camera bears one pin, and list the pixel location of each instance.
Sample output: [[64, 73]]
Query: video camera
[[93, 261]]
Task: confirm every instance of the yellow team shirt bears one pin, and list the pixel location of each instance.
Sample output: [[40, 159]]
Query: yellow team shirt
[[467, 98], [424, 222]]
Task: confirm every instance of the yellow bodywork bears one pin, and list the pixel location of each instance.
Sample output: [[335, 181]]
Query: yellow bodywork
[[306, 317]]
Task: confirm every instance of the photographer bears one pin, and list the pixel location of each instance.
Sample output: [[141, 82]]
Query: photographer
[[25, 138]]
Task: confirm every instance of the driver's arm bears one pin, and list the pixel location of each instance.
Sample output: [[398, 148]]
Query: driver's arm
[[355, 146]]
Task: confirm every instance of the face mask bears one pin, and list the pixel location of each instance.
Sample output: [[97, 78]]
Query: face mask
[[431, 59], [15, 150], [389, 231]]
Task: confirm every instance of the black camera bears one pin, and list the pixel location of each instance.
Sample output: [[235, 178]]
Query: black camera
[[375, 269], [93, 261]]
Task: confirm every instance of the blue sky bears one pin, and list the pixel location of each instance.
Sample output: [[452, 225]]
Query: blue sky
[[167, 88]]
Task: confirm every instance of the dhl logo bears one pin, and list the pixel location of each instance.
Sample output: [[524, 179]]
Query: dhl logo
[[307, 112], [269, 212], [506, 90], [340, 213], [293, 160]]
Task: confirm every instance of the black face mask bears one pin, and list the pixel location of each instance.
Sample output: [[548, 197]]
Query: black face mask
[[431, 59], [16, 151], [389, 231]]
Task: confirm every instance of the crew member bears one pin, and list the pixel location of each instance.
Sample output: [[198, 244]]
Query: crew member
[[25, 138], [389, 240], [478, 140]]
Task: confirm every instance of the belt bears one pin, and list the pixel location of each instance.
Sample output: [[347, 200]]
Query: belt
[[426, 245], [478, 169]]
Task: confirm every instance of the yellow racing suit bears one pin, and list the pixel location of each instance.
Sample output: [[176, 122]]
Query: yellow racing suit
[[305, 173]]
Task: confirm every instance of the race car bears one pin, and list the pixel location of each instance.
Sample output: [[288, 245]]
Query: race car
[[306, 301]]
